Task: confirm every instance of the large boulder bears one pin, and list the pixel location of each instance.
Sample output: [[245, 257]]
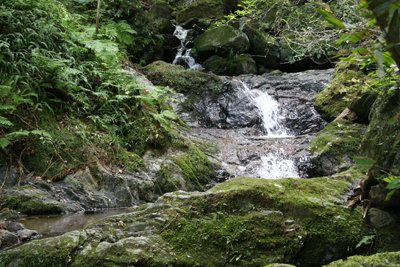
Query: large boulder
[[345, 90], [161, 10], [251, 222], [241, 64], [222, 41], [332, 149], [203, 10]]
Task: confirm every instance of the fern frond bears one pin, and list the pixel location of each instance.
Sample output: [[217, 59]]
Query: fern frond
[[4, 122]]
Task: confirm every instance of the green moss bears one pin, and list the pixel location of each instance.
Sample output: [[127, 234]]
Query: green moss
[[334, 146], [379, 259], [344, 88], [175, 76], [195, 166], [234, 222], [31, 205], [131, 161], [165, 183]]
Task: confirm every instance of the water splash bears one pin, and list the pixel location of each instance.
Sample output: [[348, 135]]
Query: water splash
[[183, 56]]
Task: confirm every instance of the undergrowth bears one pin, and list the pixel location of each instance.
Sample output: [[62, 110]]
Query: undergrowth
[[64, 97]]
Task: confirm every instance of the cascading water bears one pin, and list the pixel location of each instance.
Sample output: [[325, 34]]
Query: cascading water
[[276, 162], [183, 55], [270, 112]]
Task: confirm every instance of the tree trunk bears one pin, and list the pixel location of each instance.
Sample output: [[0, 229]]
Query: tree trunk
[[98, 17]]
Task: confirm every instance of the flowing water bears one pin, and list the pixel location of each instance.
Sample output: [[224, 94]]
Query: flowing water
[[183, 56]]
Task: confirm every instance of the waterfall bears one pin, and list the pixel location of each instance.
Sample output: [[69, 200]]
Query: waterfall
[[183, 55], [270, 112], [277, 162]]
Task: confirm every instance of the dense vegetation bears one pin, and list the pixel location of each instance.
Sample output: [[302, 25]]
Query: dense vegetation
[[65, 94]]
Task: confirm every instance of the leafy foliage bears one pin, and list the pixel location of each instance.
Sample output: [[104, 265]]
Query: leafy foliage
[[301, 31]]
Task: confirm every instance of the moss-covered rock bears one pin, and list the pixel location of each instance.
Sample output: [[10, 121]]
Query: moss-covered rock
[[30, 200], [244, 221], [161, 10], [175, 76], [332, 149], [205, 9], [263, 48], [379, 259], [222, 41], [241, 64], [346, 87]]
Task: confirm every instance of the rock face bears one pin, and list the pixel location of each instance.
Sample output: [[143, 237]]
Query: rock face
[[251, 221], [380, 144], [223, 102], [222, 41]]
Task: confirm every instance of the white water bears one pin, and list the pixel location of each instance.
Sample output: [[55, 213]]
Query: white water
[[275, 164], [270, 112], [183, 55]]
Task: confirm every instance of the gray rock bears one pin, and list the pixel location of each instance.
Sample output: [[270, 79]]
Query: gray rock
[[15, 227], [27, 234], [7, 239], [9, 215], [379, 218]]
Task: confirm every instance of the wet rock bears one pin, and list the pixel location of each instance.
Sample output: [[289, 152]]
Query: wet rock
[[379, 218], [221, 41], [164, 26], [26, 235]]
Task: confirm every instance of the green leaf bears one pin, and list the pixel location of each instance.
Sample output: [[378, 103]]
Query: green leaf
[[331, 19], [393, 185], [391, 121], [364, 161]]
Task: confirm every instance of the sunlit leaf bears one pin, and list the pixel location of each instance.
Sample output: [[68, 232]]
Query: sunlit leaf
[[331, 19]]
